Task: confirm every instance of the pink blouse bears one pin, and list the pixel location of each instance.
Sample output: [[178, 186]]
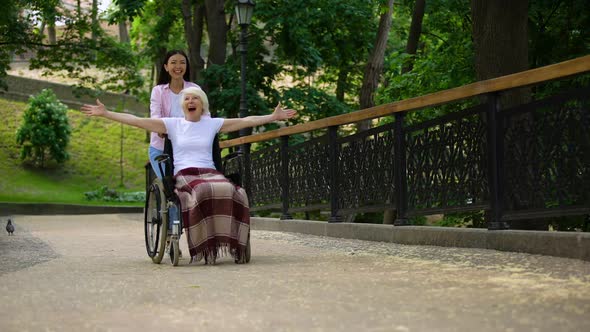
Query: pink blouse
[[160, 107]]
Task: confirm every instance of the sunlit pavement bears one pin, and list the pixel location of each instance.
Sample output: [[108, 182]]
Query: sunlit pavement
[[92, 273]]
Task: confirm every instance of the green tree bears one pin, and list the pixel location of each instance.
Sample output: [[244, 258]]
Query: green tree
[[157, 28], [17, 31], [326, 39], [558, 31], [101, 63], [442, 59], [45, 131], [81, 46]]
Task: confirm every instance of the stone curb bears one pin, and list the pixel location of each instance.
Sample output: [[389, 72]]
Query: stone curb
[[561, 244], [67, 209]]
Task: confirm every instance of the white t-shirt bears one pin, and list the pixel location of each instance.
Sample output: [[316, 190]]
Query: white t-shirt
[[175, 108], [192, 142]]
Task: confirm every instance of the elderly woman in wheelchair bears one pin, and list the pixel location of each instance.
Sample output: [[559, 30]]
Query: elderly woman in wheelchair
[[213, 211]]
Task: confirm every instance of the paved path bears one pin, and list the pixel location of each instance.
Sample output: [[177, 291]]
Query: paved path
[[91, 273]]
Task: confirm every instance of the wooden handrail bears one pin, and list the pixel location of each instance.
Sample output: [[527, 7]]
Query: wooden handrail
[[525, 78]]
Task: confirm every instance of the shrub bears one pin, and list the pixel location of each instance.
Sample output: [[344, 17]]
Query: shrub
[[45, 131], [471, 219], [110, 195]]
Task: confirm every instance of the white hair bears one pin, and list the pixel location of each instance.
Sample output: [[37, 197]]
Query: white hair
[[196, 92]]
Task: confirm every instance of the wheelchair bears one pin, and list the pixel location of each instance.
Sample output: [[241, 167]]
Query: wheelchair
[[162, 234]]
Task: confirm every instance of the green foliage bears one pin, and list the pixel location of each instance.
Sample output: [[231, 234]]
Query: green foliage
[[17, 30], [116, 66], [45, 130], [314, 103], [111, 195], [418, 220], [81, 46], [558, 31], [159, 27], [324, 37], [126, 9], [224, 94], [94, 161], [444, 59], [473, 219]]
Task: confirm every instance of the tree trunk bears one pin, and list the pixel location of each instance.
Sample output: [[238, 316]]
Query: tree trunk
[[501, 42], [388, 217], [94, 14], [411, 48], [341, 84], [79, 16], [123, 32], [375, 65], [51, 35], [501, 47], [49, 16], [193, 16], [415, 32], [42, 27], [217, 30], [161, 52]]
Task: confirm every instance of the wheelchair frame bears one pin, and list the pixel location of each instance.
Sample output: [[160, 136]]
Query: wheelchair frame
[[160, 197]]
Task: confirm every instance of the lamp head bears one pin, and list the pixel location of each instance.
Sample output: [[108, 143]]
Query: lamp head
[[244, 9]]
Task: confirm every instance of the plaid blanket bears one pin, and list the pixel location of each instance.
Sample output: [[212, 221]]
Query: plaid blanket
[[215, 213]]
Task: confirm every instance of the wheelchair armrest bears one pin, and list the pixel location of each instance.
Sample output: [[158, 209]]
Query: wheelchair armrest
[[232, 155], [235, 178]]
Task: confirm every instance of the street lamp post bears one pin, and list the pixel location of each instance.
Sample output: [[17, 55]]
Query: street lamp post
[[244, 9]]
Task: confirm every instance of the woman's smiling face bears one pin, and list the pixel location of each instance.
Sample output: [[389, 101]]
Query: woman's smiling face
[[176, 66], [192, 105]]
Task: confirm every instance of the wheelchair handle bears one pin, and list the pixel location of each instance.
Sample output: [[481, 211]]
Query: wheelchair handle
[[162, 157]]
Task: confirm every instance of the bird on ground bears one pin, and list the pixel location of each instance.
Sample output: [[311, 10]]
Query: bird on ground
[[10, 227]]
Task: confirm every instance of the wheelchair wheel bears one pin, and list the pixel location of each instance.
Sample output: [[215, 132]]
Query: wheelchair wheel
[[174, 234], [156, 229], [246, 257], [174, 252], [248, 248]]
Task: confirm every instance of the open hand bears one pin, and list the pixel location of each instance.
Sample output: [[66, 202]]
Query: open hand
[[283, 114], [94, 110]]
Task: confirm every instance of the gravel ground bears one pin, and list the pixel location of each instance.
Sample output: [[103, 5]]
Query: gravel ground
[[476, 258], [22, 250]]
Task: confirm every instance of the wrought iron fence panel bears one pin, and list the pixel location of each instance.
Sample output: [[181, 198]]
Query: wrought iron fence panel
[[547, 153], [308, 173], [447, 162], [365, 170], [265, 181]]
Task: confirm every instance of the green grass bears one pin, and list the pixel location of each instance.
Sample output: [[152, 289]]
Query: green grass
[[95, 161]]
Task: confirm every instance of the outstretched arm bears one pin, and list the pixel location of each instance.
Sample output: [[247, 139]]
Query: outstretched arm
[[155, 125], [279, 114]]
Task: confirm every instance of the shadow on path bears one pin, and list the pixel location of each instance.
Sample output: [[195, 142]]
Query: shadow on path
[[22, 250]]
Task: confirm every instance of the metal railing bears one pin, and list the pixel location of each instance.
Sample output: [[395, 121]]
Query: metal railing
[[528, 161]]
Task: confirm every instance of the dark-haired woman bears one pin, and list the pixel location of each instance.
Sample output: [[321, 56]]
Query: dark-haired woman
[[165, 99]]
